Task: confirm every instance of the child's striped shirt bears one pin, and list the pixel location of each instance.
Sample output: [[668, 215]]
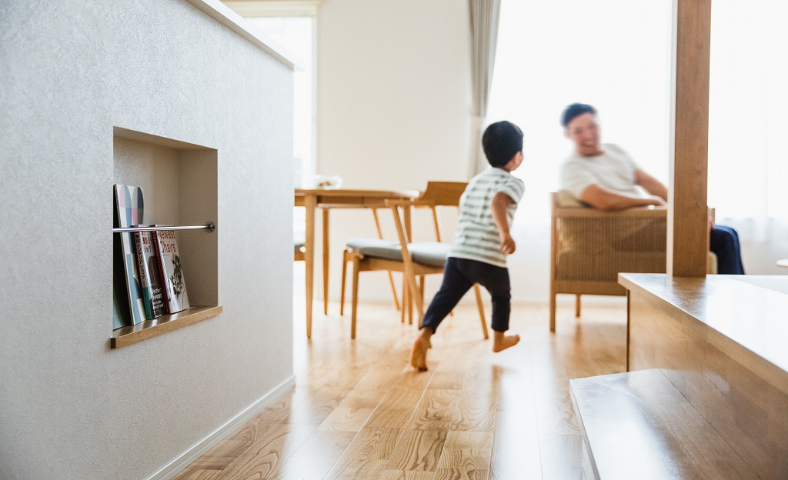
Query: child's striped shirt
[[477, 237]]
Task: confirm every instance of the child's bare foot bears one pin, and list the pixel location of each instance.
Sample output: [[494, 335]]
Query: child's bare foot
[[418, 356], [501, 342]]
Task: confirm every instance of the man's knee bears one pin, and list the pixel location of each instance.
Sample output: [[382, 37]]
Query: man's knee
[[723, 236]]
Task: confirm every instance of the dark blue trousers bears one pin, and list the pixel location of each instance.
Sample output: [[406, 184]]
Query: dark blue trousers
[[459, 275], [724, 242]]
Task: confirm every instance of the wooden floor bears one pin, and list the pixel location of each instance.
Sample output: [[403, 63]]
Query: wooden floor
[[359, 412]]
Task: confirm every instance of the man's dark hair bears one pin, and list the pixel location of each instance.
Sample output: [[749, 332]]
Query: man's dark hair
[[575, 110], [501, 141]]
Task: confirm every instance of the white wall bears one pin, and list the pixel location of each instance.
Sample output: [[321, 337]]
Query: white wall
[[393, 106], [71, 408]]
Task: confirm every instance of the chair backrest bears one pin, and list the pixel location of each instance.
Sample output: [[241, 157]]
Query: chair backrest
[[298, 250], [440, 194], [437, 194]]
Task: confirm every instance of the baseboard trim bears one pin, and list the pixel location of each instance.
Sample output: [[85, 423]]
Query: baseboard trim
[[200, 448]]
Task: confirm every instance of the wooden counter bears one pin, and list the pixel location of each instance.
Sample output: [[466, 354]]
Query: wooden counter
[[722, 341]]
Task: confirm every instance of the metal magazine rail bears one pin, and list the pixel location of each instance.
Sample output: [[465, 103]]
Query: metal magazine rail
[[209, 226]]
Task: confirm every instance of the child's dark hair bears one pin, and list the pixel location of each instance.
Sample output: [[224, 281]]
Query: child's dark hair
[[501, 141], [575, 110]]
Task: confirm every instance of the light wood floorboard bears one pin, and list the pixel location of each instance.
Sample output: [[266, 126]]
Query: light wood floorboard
[[358, 411]]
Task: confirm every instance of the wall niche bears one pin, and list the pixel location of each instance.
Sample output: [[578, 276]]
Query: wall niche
[[180, 187]]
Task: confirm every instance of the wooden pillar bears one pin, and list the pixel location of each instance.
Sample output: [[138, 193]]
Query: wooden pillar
[[688, 211]]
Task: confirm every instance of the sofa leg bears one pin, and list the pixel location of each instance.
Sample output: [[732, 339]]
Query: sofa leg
[[577, 305], [552, 312]]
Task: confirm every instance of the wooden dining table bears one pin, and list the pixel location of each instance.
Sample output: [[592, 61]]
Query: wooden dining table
[[326, 199]]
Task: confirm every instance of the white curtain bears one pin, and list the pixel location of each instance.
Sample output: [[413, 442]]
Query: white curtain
[[484, 16], [748, 125]]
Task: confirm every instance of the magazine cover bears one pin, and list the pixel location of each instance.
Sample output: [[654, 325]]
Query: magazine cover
[[175, 296], [129, 209], [121, 315], [150, 277], [117, 313]]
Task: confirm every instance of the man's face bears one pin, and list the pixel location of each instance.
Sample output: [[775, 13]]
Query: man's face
[[584, 131]]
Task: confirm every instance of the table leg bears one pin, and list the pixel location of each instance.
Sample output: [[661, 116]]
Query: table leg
[[406, 210], [326, 255], [404, 296], [310, 202]]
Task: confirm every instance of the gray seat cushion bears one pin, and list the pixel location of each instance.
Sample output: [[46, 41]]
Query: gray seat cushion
[[359, 243], [430, 254]]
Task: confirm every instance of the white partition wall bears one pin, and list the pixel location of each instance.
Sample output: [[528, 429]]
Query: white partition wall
[[73, 75]]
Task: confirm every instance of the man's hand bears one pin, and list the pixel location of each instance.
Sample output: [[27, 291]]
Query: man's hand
[[651, 184], [658, 201], [507, 244]]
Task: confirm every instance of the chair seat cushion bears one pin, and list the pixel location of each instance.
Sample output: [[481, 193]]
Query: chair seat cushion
[[430, 254], [359, 243]]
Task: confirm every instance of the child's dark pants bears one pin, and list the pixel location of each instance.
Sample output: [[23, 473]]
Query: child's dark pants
[[459, 275]]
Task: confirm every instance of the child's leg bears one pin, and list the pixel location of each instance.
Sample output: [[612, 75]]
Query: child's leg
[[418, 355], [496, 281], [453, 287]]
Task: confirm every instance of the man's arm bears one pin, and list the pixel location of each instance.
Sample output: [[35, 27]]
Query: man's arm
[[500, 206], [603, 199], [651, 184]]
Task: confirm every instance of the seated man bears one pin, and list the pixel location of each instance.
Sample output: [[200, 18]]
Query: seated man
[[605, 177]]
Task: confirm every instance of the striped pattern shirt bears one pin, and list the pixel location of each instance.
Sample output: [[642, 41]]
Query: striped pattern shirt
[[477, 237]]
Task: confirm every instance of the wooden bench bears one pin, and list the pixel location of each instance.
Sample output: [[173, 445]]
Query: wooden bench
[[637, 425]]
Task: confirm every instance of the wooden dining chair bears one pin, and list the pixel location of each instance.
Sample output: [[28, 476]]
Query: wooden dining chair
[[413, 260], [351, 246]]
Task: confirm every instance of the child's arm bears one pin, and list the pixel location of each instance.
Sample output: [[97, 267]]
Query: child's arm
[[500, 207]]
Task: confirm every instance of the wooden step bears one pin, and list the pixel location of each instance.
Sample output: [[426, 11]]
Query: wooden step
[[638, 425]]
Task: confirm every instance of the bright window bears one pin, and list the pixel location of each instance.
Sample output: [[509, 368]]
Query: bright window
[[295, 34], [613, 54], [748, 163]]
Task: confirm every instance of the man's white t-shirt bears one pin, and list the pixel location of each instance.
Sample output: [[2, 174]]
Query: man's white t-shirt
[[613, 170], [477, 237]]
